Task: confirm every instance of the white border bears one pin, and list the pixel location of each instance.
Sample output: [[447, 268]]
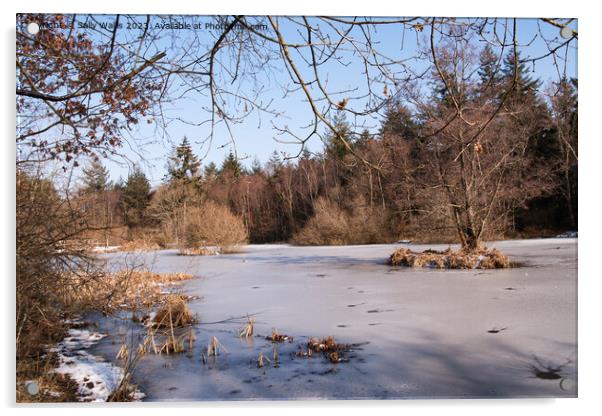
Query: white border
[[590, 95]]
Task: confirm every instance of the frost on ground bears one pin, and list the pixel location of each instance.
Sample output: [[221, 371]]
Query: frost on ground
[[96, 379]]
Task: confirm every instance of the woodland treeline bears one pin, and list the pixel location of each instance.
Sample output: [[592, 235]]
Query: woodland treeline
[[517, 179]]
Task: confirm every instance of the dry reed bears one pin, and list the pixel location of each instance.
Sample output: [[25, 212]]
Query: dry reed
[[214, 347], [174, 312], [277, 337], [449, 259], [247, 331], [262, 360]]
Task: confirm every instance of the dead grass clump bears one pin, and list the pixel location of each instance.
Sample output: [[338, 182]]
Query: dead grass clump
[[334, 357], [247, 330], [130, 357], [277, 337], [495, 259], [172, 345], [174, 312], [163, 336], [124, 290], [401, 257], [167, 277], [262, 360], [199, 251], [458, 260], [214, 347], [166, 340], [449, 259], [327, 347], [123, 353]]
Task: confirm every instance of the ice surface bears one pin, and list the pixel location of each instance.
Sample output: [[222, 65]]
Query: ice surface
[[422, 333]]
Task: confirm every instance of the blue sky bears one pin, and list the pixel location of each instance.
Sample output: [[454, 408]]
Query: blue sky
[[255, 136]]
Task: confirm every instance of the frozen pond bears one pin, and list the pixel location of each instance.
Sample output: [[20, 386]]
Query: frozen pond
[[420, 333]]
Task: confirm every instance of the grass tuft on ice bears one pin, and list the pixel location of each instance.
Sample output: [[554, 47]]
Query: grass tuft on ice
[[449, 259]]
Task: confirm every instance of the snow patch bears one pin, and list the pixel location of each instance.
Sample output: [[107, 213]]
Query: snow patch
[[95, 378], [567, 234]]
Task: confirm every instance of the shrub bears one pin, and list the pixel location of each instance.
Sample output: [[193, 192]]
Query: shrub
[[211, 225], [331, 225], [328, 226], [49, 246]]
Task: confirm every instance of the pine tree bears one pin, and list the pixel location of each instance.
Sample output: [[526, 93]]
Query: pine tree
[[364, 139], [183, 164], [135, 198], [274, 164], [231, 165], [399, 121], [119, 184], [256, 168], [526, 87], [210, 171], [448, 87], [489, 71], [491, 75], [335, 147], [96, 178]]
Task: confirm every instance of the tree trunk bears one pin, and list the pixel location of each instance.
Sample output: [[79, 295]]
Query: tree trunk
[[471, 241]]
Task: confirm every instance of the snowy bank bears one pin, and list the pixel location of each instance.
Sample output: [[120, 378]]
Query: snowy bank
[[96, 379]]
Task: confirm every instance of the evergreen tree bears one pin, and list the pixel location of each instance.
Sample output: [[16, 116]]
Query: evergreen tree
[[210, 171], [526, 87], [96, 178], [231, 165], [491, 74], [135, 198], [274, 164], [449, 86], [534, 113], [565, 102], [489, 71], [363, 140], [399, 121], [256, 168], [119, 185], [335, 148], [183, 164]]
